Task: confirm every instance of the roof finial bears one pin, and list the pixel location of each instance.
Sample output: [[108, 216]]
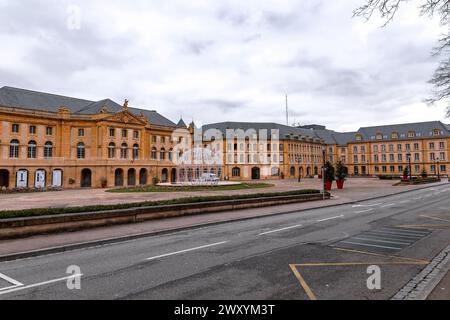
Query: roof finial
[[125, 105]]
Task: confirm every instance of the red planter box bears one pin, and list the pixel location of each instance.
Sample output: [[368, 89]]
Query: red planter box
[[340, 184], [328, 185]]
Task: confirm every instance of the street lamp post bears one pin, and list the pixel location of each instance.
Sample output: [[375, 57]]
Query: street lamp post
[[438, 164], [409, 166], [324, 150]]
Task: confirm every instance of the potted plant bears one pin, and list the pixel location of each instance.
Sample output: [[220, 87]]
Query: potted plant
[[329, 176], [341, 174], [406, 174]]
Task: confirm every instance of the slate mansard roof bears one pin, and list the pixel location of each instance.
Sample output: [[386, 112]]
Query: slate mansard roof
[[40, 101], [285, 132], [420, 129]]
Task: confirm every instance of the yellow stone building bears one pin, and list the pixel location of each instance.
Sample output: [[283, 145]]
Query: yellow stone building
[[390, 149], [49, 140], [266, 150]]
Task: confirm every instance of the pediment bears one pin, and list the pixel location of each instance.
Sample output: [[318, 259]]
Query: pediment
[[126, 117]]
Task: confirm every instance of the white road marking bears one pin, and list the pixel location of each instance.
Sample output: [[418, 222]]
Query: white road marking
[[14, 283], [332, 218], [187, 250], [280, 230], [388, 205], [40, 284], [370, 245], [364, 211], [383, 241], [367, 205], [10, 280], [435, 218], [408, 235]]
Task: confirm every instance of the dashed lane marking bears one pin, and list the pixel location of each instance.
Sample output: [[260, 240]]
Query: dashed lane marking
[[187, 250], [280, 230]]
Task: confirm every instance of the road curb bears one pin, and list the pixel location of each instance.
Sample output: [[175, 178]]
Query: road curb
[[421, 286], [108, 241]]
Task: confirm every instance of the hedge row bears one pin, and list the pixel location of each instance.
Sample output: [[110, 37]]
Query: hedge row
[[56, 211]]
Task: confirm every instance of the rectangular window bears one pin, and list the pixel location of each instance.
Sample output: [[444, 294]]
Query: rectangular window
[[391, 158], [81, 132], [124, 133], [392, 168], [417, 156], [432, 156], [15, 128], [399, 147], [375, 148], [136, 134], [154, 139], [32, 129], [431, 145], [442, 156], [443, 168], [112, 132], [49, 131], [408, 147], [400, 157], [442, 145]]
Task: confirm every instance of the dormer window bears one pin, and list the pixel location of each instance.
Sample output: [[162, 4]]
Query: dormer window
[[379, 136], [411, 134], [358, 137], [394, 135], [436, 132]]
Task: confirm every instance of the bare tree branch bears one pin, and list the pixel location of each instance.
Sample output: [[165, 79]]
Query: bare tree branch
[[387, 9]]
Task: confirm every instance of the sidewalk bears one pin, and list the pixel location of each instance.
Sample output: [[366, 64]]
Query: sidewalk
[[442, 290], [355, 191]]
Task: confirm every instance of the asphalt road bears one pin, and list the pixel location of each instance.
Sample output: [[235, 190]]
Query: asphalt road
[[317, 254]]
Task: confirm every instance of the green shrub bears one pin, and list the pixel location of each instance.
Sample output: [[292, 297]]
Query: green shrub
[[329, 172], [341, 171]]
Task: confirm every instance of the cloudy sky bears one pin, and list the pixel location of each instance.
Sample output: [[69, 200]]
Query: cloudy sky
[[235, 60]]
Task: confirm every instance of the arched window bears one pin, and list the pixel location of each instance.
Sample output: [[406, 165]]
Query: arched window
[[124, 151], [236, 172], [14, 149], [32, 150], [154, 153], [111, 151], [48, 150], [162, 154], [170, 154], [81, 151], [136, 152]]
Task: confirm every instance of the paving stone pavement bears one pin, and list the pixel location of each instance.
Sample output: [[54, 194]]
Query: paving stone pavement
[[421, 286]]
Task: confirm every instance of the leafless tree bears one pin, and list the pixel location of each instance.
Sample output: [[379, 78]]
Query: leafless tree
[[387, 10]]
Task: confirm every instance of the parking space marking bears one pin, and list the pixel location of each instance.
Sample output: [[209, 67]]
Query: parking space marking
[[10, 280], [401, 261]]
